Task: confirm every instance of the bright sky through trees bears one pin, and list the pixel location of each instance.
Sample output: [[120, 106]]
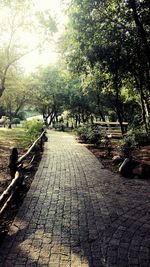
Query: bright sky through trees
[[47, 54]]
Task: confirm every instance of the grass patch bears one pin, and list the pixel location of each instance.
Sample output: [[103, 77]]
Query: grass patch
[[14, 137], [21, 137]]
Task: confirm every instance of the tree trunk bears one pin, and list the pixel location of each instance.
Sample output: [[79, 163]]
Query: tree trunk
[[76, 121], [144, 110], [10, 123], [148, 77], [79, 119], [52, 116], [2, 88], [99, 110], [145, 115], [118, 108]]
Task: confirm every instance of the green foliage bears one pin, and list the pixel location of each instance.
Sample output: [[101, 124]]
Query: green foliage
[[132, 140], [137, 121], [90, 134], [60, 126], [50, 92], [128, 145], [34, 129], [17, 94], [27, 29], [106, 43], [30, 112], [16, 121], [142, 138], [47, 22], [112, 116], [21, 115]]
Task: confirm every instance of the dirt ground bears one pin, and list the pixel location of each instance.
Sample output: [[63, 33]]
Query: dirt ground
[[5, 151], [4, 171], [141, 155], [101, 154], [5, 179]]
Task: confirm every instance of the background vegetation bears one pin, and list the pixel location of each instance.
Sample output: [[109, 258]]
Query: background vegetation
[[103, 72]]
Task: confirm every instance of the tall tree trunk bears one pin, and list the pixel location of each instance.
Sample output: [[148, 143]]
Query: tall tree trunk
[[148, 77], [143, 107], [79, 119], [51, 120], [99, 109], [52, 117], [10, 122], [145, 115], [118, 108], [76, 121]]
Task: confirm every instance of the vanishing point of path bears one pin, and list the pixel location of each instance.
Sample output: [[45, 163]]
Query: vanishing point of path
[[77, 214]]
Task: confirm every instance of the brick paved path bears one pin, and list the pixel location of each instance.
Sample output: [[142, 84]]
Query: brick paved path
[[77, 214]]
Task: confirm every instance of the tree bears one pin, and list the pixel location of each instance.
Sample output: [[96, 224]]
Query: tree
[[17, 19], [49, 93], [78, 103], [114, 35], [17, 94]]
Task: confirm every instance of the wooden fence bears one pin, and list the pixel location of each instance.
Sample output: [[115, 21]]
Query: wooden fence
[[112, 125], [15, 165]]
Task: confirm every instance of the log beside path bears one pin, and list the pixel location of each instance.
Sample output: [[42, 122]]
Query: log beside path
[[78, 214]]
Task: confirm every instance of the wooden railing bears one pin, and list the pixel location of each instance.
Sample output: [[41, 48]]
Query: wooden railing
[[112, 125], [15, 172]]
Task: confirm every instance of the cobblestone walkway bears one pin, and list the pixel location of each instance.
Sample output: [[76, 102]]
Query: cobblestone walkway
[[77, 214]]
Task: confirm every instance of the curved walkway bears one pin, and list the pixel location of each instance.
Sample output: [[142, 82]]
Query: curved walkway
[[77, 214]]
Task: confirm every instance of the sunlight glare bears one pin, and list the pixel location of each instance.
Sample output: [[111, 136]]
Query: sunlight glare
[[34, 60], [48, 56], [42, 5]]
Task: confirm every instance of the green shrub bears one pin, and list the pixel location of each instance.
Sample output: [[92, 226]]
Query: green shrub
[[34, 129], [60, 126], [128, 144], [90, 134], [16, 121], [132, 140], [142, 138], [83, 132], [137, 121], [112, 116]]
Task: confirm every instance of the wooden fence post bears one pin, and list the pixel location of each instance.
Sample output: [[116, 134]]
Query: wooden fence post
[[13, 162], [41, 144], [43, 139]]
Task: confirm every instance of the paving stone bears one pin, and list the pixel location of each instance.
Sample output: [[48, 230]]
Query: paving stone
[[78, 214]]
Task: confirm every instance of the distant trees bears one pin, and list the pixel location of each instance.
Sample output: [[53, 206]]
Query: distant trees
[[49, 92], [17, 94], [20, 26], [13, 18], [78, 103]]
